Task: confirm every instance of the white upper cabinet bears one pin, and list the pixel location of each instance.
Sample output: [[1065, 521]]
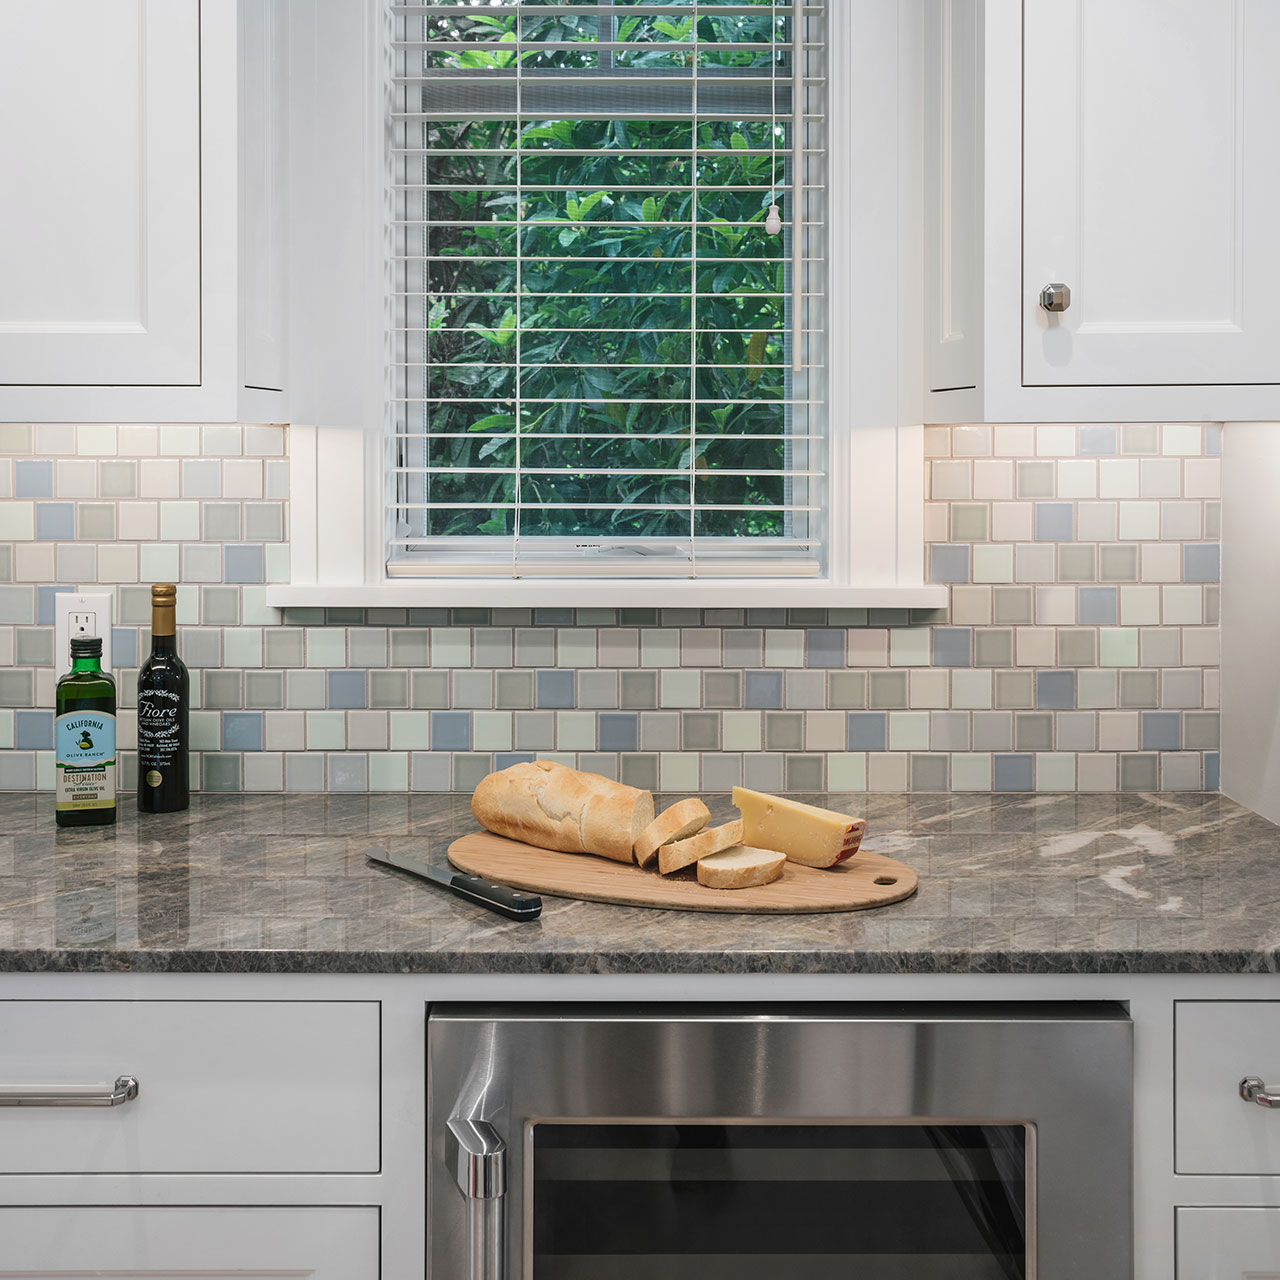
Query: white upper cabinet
[[140, 260], [1124, 150]]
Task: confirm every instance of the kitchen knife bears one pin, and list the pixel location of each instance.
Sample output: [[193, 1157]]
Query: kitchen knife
[[497, 897]]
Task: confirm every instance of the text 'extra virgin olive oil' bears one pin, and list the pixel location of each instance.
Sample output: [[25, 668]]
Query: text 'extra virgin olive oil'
[[85, 739], [163, 698]]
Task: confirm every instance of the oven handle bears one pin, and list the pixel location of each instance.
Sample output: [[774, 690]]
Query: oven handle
[[477, 1156]]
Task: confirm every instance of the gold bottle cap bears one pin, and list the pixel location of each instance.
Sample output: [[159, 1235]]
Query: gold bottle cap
[[163, 593], [164, 599]]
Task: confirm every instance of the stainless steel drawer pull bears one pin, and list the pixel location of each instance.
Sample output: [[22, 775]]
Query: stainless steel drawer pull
[[124, 1090], [1253, 1089], [477, 1157]]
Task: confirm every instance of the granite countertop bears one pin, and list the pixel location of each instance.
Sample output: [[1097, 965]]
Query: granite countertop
[[1170, 883]]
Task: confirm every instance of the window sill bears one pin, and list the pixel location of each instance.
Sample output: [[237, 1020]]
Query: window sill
[[607, 593]]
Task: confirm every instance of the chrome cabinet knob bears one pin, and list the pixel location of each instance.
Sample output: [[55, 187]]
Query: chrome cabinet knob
[[1252, 1089], [1055, 297]]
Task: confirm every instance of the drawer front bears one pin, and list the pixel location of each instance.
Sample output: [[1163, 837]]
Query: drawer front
[[215, 1244], [1217, 1044], [224, 1087], [1228, 1244]]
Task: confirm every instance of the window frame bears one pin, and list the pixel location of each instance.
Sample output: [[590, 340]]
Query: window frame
[[338, 322]]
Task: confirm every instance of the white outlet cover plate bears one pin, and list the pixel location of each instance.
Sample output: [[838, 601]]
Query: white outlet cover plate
[[66, 603]]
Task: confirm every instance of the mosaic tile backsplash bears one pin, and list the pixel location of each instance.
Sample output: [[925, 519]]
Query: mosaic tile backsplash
[[1079, 652]]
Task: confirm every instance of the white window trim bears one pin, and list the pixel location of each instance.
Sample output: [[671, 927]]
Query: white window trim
[[337, 450]]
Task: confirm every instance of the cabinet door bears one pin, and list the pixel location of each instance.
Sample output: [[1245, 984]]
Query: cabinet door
[[1229, 1244], [100, 256], [213, 1243], [1150, 189]]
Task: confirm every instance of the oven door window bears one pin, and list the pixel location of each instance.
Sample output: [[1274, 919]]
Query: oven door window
[[748, 1201]]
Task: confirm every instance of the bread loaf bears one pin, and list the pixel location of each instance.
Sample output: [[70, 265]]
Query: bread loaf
[[672, 857], [555, 807], [741, 867], [682, 819]]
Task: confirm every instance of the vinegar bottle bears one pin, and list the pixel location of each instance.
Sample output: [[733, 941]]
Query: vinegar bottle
[[163, 696]]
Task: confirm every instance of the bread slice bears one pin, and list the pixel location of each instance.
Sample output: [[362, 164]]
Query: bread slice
[[682, 819], [740, 867], [672, 857]]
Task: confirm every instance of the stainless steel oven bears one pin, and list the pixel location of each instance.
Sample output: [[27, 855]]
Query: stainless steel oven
[[876, 1142]]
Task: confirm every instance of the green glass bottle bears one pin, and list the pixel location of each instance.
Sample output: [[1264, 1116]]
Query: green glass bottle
[[85, 739]]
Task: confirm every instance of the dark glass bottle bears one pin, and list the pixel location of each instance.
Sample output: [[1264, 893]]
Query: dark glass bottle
[[85, 739], [163, 698]]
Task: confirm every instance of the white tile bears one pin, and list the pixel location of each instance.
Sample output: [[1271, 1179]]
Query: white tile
[[180, 440], [1035, 646], [77, 478], [1160, 562], [1139, 521], [139, 441], [1118, 478], [1139, 606], [277, 485], [242, 478], [1015, 440], [264, 440], [1118, 730], [96, 438], [222, 441], [993, 478], [1077, 478], [159, 478], [971, 690], [201, 478], [117, 562], [17, 521], [951, 479], [1161, 477], [971, 440], [1096, 521], [55, 439], [187, 610], [1034, 563], [1202, 478], [1056, 606], [1181, 521], [158, 562], [1181, 438], [180, 521], [1012, 521], [937, 442], [138, 521], [1056, 439], [33, 562], [908, 647], [992, 563]]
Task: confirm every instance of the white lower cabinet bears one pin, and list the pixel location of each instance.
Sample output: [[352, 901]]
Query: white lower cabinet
[[213, 1243], [1229, 1244]]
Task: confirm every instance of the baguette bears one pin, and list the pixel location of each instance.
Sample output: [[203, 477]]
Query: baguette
[[555, 807], [740, 868], [672, 857], [682, 819]]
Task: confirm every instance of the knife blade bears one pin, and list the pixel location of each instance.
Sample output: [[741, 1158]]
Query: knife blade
[[512, 903]]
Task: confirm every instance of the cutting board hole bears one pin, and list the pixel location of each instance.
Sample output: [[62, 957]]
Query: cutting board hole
[[886, 879]]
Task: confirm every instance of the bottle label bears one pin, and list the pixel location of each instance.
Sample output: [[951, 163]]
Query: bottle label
[[85, 755], [159, 736]]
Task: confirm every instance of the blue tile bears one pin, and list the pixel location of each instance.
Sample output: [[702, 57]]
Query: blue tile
[[1201, 562], [762, 690], [618, 731], [56, 521], [45, 615], [1213, 447], [867, 730], [1054, 522], [1014, 773], [1211, 779], [242, 730], [948, 563], [33, 478], [1098, 606], [1055, 690], [124, 646], [555, 689], [824, 648], [505, 759], [243, 564], [33, 730], [1161, 731], [953, 646], [450, 731], [1097, 441], [347, 690]]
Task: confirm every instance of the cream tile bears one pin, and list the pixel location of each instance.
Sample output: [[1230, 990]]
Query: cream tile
[[1202, 478], [971, 441], [77, 478], [1183, 605], [970, 606], [1161, 562], [937, 442], [888, 771], [1096, 771], [17, 521], [139, 441], [55, 439], [1077, 478], [1181, 521], [930, 688], [1056, 439], [679, 771], [868, 647], [1118, 731], [264, 440], [951, 479], [1212, 687], [242, 478], [1186, 439], [1012, 521], [909, 647], [1139, 521], [158, 562], [1034, 563], [1118, 478], [847, 771], [993, 478], [160, 478], [180, 521], [1056, 606], [1015, 440], [138, 521], [180, 440], [971, 690], [1035, 647], [1096, 521], [992, 563], [935, 522], [33, 562], [1200, 647], [117, 562], [96, 438], [1140, 606]]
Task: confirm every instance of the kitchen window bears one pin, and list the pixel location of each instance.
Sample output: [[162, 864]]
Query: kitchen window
[[603, 372]]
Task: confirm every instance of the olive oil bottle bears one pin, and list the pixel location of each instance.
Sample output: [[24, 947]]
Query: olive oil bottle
[[163, 698], [85, 739]]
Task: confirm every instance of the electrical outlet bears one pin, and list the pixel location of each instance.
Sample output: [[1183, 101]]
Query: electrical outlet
[[77, 615]]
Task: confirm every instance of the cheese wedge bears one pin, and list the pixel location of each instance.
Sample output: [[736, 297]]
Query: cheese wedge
[[806, 834], [684, 818], [740, 868], [673, 857]]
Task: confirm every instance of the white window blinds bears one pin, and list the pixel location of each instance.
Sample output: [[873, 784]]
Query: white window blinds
[[609, 267]]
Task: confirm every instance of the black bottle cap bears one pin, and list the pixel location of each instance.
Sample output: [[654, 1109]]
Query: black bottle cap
[[86, 647]]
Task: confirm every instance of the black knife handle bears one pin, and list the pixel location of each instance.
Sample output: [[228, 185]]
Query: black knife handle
[[497, 897]]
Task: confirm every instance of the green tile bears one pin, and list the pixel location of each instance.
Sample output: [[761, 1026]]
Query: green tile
[[970, 772], [1139, 689], [220, 606], [969, 521], [1118, 563], [493, 731], [281, 646], [1012, 606], [742, 730], [1015, 689], [1118, 646], [722, 689], [993, 648], [929, 772], [909, 731], [222, 690], [634, 768], [804, 773], [638, 689], [1139, 437], [263, 689], [680, 688], [410, 731], [887, 689], [514, 690], [678, 771], [700, 730], [1077, 562], [410, 647], [847, 690], [430, 689], [1033, 731], [388, 771], [326, 731], [388, 688], [1077, 647], [118, 479], [96, 521], [1138, 772]]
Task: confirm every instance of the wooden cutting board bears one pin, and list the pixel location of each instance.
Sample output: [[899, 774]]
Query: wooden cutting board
[[865, 880]]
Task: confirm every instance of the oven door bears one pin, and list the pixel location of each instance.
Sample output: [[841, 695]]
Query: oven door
[[879, 1142]]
